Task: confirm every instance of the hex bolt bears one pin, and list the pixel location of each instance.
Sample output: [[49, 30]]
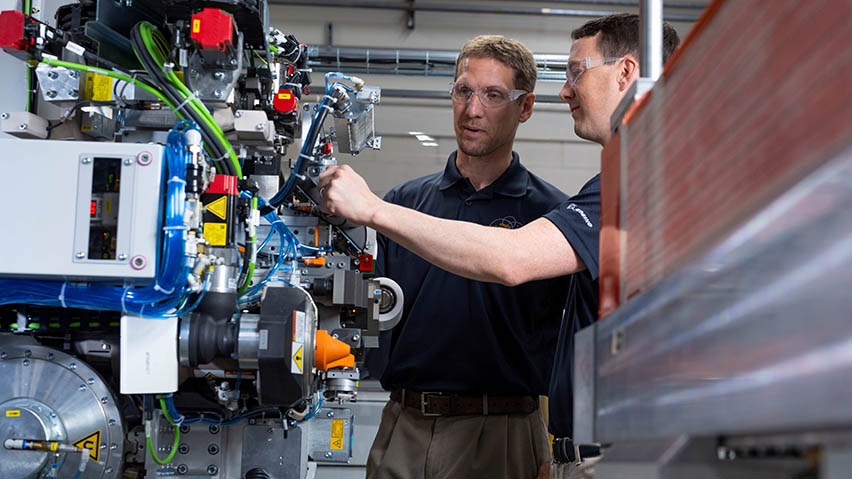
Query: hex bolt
[[52, 75], [73, 93], [182, 469], [72, 366], [213, 449], [217, 93], [91, 381], [22, 126], [26, 362], [113, 446], [355, 338], [183, 448], [83, 387], [218, 75], [73, 74], [259, 126], [51, 93], [214, 429], [104, 400], [109, 470], [4, 116], [212, 470], [184, 429], [233, 61], [329, 455], [80, 255]]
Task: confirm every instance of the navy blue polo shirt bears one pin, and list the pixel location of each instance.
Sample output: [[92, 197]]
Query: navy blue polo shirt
[[463, 336], [579, 220]]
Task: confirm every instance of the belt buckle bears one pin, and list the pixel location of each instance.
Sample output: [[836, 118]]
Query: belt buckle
[[423, 403]]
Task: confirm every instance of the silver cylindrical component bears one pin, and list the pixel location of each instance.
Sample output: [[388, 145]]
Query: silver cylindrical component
[[224, 279], [651, 21], [248, 340]]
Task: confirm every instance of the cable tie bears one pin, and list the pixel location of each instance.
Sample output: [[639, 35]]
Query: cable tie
[[176, 179], [62, 294], [227, 153], [187, 100]]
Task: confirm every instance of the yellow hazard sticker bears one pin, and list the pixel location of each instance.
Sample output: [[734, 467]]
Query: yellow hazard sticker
[[54, 446], [107, 206], [219, 207], [92, 443], [98, 87], [336, 434], [196, 26], [216, 233], [298, 358], [284, 96], [13, 413]]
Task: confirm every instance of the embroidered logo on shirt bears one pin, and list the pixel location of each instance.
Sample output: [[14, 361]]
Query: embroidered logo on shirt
[[508, 222], [573, 207]]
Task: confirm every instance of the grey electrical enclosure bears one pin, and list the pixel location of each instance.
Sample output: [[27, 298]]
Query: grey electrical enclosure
[[80, 210]]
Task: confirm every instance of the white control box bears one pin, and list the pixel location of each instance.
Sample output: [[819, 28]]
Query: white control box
[[149, 355]]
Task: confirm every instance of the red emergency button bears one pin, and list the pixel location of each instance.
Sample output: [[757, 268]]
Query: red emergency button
[[285, 101]]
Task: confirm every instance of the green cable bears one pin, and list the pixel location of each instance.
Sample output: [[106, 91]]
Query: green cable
[[151, 36], [273, 48], [250, 271], [261, 58], [171, 455], [119, 76]]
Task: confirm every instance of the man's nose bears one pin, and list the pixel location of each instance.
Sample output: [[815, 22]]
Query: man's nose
[[567, 92]]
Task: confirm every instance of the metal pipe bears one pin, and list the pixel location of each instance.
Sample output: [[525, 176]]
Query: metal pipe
[[651, 28], [623, 3], [551, 67], [446, 7]]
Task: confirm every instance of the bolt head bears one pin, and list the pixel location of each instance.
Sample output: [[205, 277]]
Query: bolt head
[[73, 74], [217, 93], [83, 387], [91, 381], [52, 75], [259, 126], [86, 161], [22, 126], [28, 353], [26, 362], [233, 61], [109, 470], [128, 162], [3, 355], [329, 455], [356, 338], [51, 93], [72, 366], [122, 256], [80, 255], [212, 470], [73, 93], [4, 116], [330, 414]]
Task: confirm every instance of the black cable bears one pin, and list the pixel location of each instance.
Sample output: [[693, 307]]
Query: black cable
[[169, 90]]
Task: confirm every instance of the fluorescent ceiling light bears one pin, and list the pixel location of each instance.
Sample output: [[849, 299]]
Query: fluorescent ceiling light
[[429, 144], [424, 138], [415, 133]]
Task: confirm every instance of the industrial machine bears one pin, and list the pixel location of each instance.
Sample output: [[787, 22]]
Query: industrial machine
[[172, 300]]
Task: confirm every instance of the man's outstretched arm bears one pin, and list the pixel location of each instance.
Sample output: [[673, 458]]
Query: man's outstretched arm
[[510, 257]]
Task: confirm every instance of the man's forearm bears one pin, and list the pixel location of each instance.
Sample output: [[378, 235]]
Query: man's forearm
[[498, 255]]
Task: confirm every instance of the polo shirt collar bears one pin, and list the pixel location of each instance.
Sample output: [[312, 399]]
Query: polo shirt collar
[[513, 182]]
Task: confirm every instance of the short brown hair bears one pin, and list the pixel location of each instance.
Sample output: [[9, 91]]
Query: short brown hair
[[511, 53], [620, 35]]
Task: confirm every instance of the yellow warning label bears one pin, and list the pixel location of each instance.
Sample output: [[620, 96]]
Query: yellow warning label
[[336, 434], [54, 446], [284, 96], [98, 87], [196, 26], [216, 233], [92, 443], [107, 206], [219, 207], [13, 413], [297, 358]]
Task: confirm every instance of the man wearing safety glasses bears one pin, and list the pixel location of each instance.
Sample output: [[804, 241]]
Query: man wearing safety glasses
[[469, 359], [604, 62]]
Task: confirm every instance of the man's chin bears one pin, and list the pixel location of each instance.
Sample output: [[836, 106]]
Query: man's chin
[[475, 149]]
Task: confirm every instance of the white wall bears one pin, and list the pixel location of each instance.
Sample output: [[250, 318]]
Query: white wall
[[546, 143]]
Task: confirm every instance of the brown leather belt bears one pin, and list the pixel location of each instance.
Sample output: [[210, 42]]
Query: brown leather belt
[[446, 404]]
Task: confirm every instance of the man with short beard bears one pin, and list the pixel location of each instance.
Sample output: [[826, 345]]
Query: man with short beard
[[469, 359]]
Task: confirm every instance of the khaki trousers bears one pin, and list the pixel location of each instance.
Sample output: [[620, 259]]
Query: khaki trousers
[[410, 446]]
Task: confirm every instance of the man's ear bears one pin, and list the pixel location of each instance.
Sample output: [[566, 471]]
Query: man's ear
[[628, 72], [527, 107]]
